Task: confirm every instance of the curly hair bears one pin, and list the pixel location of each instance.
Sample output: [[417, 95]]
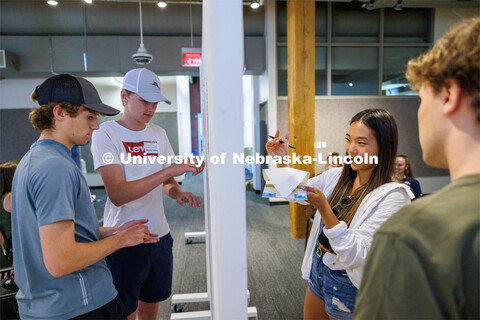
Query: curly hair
[[454, 56], [41, 117]]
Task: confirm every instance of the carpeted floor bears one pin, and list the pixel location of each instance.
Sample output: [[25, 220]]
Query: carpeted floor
[[274, 257]]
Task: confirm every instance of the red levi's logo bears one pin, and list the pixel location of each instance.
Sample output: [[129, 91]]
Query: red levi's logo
[[142, 148]]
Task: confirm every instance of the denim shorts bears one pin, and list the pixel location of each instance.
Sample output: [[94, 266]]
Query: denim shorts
[[334, 287], [143, 272]]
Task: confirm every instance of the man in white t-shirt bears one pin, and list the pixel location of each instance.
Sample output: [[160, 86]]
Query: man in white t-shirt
[[142, 275]]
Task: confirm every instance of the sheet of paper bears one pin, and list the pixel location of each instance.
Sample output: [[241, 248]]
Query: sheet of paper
[[285, 180]]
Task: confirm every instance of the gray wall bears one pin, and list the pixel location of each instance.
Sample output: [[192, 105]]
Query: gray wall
[[17, 134], [332, 115]]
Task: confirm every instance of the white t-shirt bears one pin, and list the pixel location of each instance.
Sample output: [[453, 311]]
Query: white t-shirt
[[122, 143]]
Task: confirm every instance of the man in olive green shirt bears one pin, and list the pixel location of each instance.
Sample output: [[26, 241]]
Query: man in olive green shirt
[[425, 260]]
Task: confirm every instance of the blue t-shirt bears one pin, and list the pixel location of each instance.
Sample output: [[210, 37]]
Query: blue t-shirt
[[76, 156], [415, 185], [49, 187]]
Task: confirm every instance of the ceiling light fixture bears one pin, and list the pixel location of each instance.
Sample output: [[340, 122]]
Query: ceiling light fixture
[[162, 3], [369, 5], [88, 1], [85, 62], [255, 4], [398, 6], [52, 2], [141, 56]]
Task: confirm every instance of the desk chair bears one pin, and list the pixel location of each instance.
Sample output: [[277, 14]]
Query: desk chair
[[8, 303]]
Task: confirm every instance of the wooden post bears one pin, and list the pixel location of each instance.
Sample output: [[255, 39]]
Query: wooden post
[[301, 95]]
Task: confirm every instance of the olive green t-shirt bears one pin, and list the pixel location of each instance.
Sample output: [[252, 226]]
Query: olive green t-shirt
[[425, 260]]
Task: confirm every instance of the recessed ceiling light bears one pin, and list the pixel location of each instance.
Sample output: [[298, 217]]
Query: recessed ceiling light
[[162, 4], [88, 1], [255, 4], [52, 2]]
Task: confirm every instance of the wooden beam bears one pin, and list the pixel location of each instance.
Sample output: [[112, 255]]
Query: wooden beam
[[301, 95]]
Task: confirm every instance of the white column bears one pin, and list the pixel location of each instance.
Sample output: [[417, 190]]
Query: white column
[[183, 115], [222, 109]]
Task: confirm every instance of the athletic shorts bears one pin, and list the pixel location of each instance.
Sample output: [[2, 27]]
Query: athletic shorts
[[112, 310], [143, 272]]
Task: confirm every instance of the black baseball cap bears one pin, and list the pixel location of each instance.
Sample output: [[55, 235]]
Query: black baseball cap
[[75, 90]]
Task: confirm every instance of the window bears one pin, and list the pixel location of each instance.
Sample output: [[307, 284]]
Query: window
[[407, 26], [354, 71], [357, 43], [395, 61], [353, 25]]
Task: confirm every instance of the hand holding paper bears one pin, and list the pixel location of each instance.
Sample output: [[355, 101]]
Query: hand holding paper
[[285, 183], [316, 198]]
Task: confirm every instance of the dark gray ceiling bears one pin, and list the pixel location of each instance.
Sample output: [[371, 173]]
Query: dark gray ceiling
[[21, 17], [39, 38]]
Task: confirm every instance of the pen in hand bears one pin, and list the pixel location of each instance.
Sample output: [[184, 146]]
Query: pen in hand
[[283, 142]]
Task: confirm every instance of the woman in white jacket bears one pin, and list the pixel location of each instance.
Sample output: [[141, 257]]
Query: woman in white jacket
[[361, 197]]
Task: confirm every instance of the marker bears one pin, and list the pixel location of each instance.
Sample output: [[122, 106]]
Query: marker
[[283, 142]]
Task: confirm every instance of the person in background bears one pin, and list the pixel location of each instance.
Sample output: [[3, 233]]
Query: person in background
[[7, 170], [58, 247], [352, 202], [425, 260], [142, 274], [333, 163], [404, 173]]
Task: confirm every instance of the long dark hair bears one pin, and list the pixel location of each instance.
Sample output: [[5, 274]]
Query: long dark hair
[[7, 170], [408, 171], [384, 129]]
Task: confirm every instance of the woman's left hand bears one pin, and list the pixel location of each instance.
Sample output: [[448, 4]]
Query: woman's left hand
[[316, 198]]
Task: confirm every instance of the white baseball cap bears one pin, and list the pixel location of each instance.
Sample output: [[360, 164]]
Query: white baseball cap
[[145, 83]]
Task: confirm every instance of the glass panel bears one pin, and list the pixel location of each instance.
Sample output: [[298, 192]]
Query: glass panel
[[281, 21], [394, 66], [320, 71], [354, 71], [282, 71], [408, 25], [351, 23], [321, 22]]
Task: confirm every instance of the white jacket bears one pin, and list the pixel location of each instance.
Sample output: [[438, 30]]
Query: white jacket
[[353, 243]]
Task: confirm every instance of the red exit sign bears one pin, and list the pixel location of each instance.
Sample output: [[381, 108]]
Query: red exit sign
[[191, 57]]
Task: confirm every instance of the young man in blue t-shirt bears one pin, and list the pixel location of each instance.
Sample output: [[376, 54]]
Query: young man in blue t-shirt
[[58, 246]]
